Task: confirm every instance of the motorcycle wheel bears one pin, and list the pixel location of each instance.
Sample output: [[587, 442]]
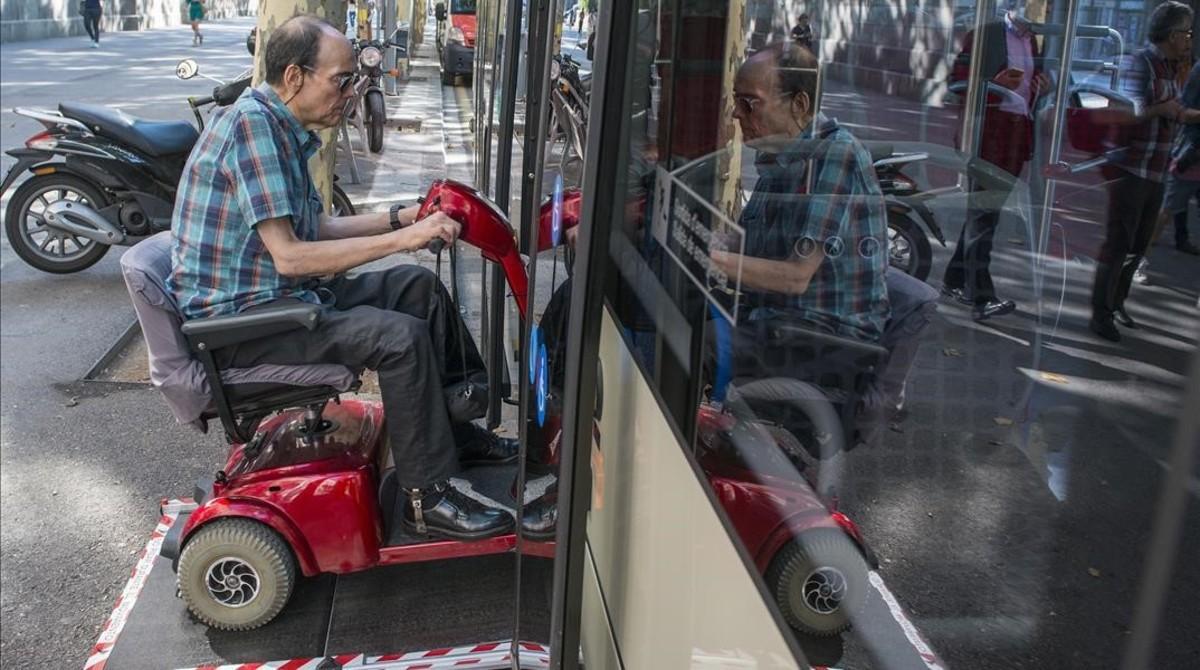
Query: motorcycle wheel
[[341, 203], [45, 248], [376, 116], [908, 246]]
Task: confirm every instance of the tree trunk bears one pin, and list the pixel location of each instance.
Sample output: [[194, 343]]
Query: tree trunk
[[274, 12]]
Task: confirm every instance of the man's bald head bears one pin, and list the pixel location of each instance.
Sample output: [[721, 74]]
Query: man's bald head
[[774, 93], [296, 41], [788, 68]]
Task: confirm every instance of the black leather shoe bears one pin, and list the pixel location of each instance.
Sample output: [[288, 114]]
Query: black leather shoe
[[540, 517], [957, 293], [1103, 326], [441, 509], [1122, 317], [986, 310], [483, 447]]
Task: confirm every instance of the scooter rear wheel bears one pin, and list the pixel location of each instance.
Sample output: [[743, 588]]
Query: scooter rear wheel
[[236, 574], [45, 248]]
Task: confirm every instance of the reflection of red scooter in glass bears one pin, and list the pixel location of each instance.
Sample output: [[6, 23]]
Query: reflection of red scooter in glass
[[303, 491]]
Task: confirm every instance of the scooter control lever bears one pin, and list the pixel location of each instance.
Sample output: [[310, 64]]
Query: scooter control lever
[[436, 245]]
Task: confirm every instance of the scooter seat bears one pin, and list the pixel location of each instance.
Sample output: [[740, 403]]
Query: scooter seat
[[153, 138]]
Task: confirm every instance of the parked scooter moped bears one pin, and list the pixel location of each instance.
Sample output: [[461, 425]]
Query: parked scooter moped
[[102, 177]]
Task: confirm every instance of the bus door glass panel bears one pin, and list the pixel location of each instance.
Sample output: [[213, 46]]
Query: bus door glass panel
[[860, 257]]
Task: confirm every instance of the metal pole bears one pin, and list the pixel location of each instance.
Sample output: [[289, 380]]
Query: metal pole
[[973, 105], [496, 362], [603, 181]]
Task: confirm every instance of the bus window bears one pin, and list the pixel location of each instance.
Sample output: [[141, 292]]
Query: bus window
[[885, 281]]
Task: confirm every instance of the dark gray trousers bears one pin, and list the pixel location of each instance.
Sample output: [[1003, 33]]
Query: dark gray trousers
[[401, 323], [1133, 206]]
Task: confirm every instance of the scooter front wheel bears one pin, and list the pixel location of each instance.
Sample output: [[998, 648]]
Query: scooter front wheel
[[236, 574], [45, 248], [819, 581]]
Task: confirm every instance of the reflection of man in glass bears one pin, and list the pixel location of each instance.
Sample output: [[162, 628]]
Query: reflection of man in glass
[[1148, 78], [815, 223], [1011, 60]]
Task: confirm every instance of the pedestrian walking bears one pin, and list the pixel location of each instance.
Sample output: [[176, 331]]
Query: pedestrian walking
[[196, 15], [91, 20], [1012, 59], [802, 32]]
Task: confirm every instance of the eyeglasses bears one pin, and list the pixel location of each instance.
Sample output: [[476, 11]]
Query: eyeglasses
[[746, 103], [342, 81], [1185, 32]]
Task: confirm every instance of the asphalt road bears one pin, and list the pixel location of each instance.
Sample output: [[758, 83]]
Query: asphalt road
[[84, 465]]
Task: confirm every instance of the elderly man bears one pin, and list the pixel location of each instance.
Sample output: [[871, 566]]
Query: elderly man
[[1135, 195], [816, 227], [249, 230]]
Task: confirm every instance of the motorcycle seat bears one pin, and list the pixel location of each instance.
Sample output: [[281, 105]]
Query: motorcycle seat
[[153, 138], [880, 151]]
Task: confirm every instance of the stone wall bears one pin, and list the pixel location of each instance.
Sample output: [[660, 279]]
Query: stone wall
[[39, 19]]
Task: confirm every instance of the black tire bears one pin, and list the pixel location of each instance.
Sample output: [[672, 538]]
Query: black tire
[[341, 203], [819, 580], [23, 208], [908, 246], [376, 120], [258, 572]]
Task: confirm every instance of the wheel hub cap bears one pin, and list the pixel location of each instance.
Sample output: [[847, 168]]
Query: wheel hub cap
[[824, 590], [232, 582]]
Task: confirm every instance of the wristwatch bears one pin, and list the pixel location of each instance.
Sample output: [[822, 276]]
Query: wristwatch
[[394, 215]]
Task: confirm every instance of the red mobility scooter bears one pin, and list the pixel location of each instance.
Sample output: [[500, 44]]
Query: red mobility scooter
[[308, 489]]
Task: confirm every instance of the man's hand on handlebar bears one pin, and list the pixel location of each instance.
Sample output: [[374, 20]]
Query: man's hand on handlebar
[[436, 226]]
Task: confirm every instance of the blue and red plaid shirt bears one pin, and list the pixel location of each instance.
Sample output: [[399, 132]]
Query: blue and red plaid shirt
[[1148, 78], [822, 193], [249, 165]]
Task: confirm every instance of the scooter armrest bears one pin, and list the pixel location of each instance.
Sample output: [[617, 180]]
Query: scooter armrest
[[222, 331]]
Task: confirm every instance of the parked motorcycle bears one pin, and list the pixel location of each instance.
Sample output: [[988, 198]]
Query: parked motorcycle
[[101, 178], [569, 98], [368, 99], [910, 221]]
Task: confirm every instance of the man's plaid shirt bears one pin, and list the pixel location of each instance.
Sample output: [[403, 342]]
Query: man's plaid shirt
[[1148, 78], [837, 209], [249, 165]]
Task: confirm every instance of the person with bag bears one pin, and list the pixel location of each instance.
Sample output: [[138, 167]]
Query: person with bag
[[90, 9], [1135, 195]]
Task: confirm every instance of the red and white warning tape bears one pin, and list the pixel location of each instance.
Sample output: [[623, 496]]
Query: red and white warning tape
[[487, 656], [137, 579], [910, 631]]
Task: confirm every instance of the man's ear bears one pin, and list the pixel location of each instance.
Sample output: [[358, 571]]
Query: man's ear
[[293, 78], [801, 105]]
